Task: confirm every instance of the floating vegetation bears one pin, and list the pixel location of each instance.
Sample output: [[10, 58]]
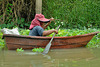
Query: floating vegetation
[[38, 49], [19, 50]]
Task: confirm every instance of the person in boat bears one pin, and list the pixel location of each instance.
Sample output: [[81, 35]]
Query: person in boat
[[39, 24]]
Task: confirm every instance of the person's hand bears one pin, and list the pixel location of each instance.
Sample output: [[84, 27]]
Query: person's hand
[[56, 31], [52, 19]]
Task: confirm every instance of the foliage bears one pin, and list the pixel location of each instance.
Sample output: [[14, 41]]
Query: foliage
[[24, 31], [38, 49], [2, 44], [95, 42], [20, 23], [74, 32], [19, 50], [73, 13], [16, 13]]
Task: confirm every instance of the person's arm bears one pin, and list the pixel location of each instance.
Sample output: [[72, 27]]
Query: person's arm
[[45, 26], [48, 32]]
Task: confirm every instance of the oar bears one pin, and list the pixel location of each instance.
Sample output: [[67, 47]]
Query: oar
[[49, 44]]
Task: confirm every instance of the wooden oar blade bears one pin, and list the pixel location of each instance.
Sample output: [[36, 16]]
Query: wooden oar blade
[[46, 50], [49, 44]]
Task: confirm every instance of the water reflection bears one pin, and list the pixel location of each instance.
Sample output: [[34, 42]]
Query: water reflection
[[80, 57]]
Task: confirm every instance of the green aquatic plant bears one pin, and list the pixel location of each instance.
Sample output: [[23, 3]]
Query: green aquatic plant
[[38, 49], [95, 42], [24, 31], [74, 32], [19, 50], [2, 44]]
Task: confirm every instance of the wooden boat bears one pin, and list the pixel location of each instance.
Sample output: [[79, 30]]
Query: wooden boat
[[30, 42]]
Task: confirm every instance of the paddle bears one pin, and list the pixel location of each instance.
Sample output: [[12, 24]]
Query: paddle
[[49, 44]]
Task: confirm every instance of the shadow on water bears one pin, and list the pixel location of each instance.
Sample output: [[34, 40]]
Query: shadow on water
[[78, 57]]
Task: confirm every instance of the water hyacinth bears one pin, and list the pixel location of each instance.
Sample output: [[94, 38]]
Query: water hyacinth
[[74, 32], [38, 49], [19, 50]]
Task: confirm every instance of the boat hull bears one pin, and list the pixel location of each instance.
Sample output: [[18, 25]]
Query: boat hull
[[29, 42]]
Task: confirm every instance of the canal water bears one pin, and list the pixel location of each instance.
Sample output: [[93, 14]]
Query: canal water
[[78, 57]]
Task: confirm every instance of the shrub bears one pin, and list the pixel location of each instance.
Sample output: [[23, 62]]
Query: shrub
[[73, 13]]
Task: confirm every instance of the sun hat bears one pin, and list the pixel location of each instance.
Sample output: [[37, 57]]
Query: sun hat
[[41, 18], [37, 20]]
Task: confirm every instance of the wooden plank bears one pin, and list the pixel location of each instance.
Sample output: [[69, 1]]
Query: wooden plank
[[38, 6]]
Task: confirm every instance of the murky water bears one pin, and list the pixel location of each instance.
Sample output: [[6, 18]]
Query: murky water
[[80, 57]]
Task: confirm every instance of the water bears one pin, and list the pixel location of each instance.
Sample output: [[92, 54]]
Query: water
[[78, 57]]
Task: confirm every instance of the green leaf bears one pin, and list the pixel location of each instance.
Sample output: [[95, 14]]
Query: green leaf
[[19, 50]]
